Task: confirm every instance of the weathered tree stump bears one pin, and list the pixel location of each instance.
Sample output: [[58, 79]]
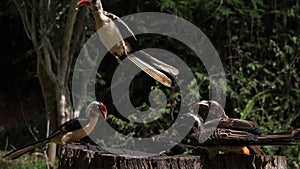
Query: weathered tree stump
[[93, 157]]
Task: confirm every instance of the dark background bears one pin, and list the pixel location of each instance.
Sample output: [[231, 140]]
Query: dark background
[[258, 43]]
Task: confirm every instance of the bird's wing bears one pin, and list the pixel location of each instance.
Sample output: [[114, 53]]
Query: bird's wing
[[151, 71], [229, 137], [71, 125], [18, 152], [222, 136], [239, 124]]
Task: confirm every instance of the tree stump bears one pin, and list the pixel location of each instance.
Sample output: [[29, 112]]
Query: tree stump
[[93, 157]]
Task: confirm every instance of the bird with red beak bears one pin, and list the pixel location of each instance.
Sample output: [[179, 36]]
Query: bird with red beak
[[83, 2], [113, 41], [71, 131]]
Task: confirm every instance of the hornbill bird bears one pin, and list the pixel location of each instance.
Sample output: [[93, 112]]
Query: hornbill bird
[[233, 135], [70, 131], [113, 41]]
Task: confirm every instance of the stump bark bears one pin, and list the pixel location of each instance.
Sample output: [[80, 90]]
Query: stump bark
[[93, 157]]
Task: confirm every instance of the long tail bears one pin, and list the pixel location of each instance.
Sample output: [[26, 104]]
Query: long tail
[[151, 71], [18, 152], [283, 138], [229, 137]]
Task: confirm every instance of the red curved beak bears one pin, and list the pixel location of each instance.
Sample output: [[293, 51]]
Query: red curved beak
[[82, 2], [103, 110]]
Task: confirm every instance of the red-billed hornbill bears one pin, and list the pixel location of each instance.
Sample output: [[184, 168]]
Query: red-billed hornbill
[[113, 41], [70, 131], [233, 135]]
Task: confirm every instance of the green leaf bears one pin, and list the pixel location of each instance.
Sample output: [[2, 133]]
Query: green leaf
[[247, 109]]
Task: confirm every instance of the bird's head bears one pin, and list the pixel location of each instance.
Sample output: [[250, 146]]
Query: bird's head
[[95, 108], [92, 4], [210, 108], [84, 2]]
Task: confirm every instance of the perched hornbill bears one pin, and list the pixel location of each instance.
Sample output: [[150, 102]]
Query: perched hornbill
[[70, 131], [233, 135], [113, 41]]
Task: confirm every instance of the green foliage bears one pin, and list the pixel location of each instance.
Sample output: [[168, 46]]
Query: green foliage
[[24, 162], [259, 43], [261, 55]]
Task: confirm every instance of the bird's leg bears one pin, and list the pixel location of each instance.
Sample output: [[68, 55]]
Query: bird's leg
[[124, 51], [118, 59], [125, 47]]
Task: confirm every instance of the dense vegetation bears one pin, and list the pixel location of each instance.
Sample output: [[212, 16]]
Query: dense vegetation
[[258, 43]]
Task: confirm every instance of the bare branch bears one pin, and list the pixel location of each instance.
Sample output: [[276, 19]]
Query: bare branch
[[33, 29], [33, 15], [48, 70], [51, 50], [66, 41], [24, 18], [48, 5]]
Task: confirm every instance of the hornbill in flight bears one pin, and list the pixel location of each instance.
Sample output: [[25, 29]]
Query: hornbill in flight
[[70, 131], [113, 41], [232, 135]]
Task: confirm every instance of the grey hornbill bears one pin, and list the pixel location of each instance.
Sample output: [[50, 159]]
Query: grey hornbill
[[113, 41], [70, 131], [233, 135]]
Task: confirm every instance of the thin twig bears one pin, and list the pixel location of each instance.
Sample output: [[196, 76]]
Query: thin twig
[[27, 123], [219, 6], [45, 152], [6, 144], [24, 18]]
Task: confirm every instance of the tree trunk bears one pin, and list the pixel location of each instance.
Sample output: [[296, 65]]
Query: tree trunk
[[93, 157], [53, 61], [50, 108]]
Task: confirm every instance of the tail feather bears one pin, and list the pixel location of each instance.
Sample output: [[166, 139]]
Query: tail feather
[[151, 71], [18, 152], [283, 138]]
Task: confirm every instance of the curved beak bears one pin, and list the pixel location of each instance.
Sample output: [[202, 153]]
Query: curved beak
[[202, 102], [103, 110], [82, 2], [104, 115]]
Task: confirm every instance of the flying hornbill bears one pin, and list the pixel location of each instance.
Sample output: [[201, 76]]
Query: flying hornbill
[[233, 135], [70, 131], [113, 41]]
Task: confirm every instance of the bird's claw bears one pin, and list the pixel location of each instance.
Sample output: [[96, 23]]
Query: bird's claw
[[118, 60]]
